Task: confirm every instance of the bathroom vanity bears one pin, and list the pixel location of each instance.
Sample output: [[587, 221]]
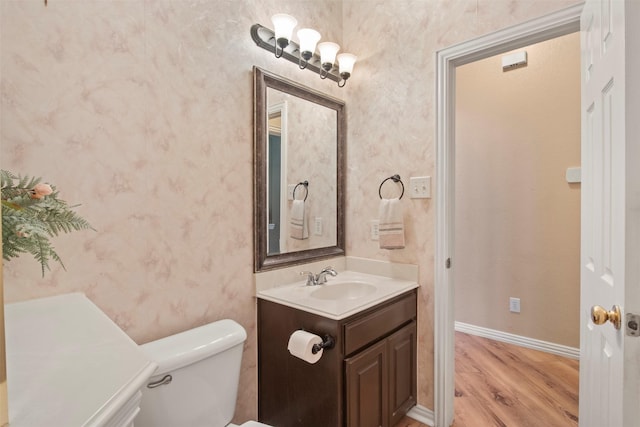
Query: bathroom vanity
[[367, 379]]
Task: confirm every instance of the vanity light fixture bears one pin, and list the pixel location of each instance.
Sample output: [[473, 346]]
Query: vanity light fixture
[[346, 62], [328, 52], [308, 40], [304, 54], [283, 25]]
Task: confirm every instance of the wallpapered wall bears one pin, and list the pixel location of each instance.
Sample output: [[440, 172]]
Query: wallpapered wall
[[391, 119], [141, 111]]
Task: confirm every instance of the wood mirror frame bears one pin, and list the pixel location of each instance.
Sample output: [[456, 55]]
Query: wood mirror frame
[[262, 260]]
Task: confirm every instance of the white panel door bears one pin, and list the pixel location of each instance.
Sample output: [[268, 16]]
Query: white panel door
[[604, 213]]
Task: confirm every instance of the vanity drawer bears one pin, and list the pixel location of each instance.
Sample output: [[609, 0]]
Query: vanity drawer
[[379, 323]]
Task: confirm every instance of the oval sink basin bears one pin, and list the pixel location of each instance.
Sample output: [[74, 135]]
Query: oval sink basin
[[342, 291]]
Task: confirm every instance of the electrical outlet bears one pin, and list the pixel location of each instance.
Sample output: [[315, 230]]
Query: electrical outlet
[[375, 230], [318, 226], [420, 187], [514, 305]]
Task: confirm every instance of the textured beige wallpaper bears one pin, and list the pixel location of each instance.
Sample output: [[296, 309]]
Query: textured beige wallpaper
[[517, 218], [391, 120], [142, 112]]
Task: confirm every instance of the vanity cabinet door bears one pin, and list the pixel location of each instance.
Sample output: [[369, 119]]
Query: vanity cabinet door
[[367, 387], [402, 372]]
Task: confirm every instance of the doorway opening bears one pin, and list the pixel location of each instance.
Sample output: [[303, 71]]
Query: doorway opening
[[277, 191], [517, 223], [545, 28]]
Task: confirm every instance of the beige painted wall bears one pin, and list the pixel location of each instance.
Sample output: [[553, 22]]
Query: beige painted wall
[[142, 111], [517, 218]]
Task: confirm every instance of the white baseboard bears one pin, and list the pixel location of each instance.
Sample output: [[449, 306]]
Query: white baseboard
[[421, 414], [549, 347]]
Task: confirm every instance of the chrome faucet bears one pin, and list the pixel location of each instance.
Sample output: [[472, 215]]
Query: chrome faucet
[[320, 278]]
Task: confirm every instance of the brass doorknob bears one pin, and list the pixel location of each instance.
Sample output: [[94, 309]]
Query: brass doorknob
[[599, 315]]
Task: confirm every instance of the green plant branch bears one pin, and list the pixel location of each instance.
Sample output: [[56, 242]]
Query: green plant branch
[[31, 214]]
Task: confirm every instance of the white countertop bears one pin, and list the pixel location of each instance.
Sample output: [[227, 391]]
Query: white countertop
[[68, 364], [298, 295]]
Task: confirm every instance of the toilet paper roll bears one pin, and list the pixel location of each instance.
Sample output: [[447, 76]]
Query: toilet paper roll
[[301, 345]]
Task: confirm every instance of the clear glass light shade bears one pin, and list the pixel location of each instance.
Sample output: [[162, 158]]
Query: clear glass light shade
[[283, 25], [308, 39], [346, 61], [328, 51]]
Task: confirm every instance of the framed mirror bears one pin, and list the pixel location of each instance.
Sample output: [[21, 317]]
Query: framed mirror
[[299, 156]]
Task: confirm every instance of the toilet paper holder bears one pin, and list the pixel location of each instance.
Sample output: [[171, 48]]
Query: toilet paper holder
[[327, 342]]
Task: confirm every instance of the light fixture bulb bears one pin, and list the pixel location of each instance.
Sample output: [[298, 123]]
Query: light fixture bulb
[[346, 62], [309, 38], [283, 26], [328, 51]]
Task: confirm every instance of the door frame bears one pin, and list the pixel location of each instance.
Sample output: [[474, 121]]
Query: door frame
[[562, 22], [282, 109]]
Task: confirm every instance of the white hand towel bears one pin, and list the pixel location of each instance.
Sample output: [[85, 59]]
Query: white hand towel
[[298, 224], [391, 226]]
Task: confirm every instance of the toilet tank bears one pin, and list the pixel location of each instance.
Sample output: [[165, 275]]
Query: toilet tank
[[200, 368]]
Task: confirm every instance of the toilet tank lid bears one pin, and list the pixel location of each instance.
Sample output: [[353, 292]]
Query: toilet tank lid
[[193, 345]]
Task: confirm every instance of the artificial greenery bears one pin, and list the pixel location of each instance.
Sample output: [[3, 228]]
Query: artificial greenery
[[31, 215]]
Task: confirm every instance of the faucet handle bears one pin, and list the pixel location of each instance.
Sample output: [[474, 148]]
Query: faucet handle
[[311, 278]]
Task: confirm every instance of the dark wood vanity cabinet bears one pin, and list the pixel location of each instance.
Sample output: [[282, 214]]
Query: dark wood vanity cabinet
[[367, 379]]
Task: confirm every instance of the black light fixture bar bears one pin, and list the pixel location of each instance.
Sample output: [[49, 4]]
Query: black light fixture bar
[[265, 38]]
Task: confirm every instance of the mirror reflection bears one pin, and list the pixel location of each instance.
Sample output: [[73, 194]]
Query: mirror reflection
[[302, 157], [299, 151]]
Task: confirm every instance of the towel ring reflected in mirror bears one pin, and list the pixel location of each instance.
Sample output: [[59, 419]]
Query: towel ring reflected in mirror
[[394, 178], [306, 188]]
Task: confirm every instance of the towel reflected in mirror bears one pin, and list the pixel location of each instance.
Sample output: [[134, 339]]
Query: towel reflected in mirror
[[298, 225]]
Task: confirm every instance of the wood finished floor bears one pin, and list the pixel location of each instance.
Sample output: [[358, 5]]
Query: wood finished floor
[[504, 385]]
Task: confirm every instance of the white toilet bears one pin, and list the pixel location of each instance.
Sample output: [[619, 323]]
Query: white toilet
[[196, 383]]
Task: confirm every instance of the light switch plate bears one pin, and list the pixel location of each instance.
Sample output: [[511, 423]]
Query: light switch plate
[[318, 226], [375, 230], [420, 187], [290, 189]]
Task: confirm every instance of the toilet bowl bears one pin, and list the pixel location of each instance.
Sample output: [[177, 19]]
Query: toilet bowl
[[196, 383]]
